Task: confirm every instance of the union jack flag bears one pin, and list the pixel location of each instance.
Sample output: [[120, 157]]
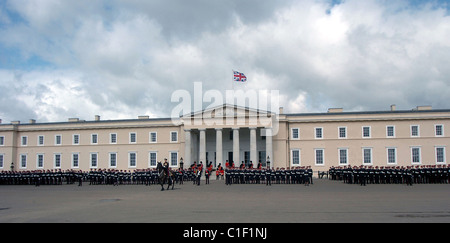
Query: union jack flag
[[239, 77]]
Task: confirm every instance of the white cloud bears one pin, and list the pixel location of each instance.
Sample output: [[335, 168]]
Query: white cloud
[[123, 59]]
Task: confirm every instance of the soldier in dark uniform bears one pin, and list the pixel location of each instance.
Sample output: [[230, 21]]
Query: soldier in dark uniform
[[37, 178], [362, 176], [409, 176], [80, 177], [206, 176], [268, 177]]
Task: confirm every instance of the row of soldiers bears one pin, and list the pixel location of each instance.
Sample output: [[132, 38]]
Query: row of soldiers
[[41, 177], [293, 175], [93, 177], [391, 174]]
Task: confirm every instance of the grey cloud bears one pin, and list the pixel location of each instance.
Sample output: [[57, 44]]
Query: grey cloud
[[125, 58]]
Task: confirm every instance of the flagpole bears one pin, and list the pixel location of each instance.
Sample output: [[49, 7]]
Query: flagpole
[[232, 80]]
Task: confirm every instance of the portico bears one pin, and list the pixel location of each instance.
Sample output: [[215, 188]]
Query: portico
[[218, 145], [227, 133]]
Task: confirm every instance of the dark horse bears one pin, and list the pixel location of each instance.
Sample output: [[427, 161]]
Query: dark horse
[[165, 173]]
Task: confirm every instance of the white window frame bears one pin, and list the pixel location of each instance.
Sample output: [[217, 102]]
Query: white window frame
[[2, 140], [171, 136], [411, 131], [412, 155], [72, 160], [299, 157], [321, 132], [363, 156], [339, 133], [56, 139], [90, 160], [298, 133], [170, 159], [109, 160], [54, 160], [135, 137], [339, 156], [370, 132], [37, 160], [22, 156], [435, 130], [150, 137], [443, 156], [135, 159], [24, 140], [323, 156], [2, 160], [150, 159], [111, 138], [395, 155], [393, 131], [38, 142], [92, 138], [73, 139]]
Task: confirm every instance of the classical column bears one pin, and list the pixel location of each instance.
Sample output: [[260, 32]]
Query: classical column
[[219, 147], [187, 147], [253, 157], [269, 146], [202, 155], [236, 146]]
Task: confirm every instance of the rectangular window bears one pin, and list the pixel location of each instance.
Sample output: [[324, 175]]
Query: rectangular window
[[319, 156], [132, 159], [366, 132], [319, 132], [24, 140], [132, 137], [295, 133], [113, 159], [2, 140], [94, 158], [76, 139], [439, 130], [174, 159], [75, 160], [295, 157], [153, 157], [113, 138], [173, 136], [23, 161], [57, 161], [2, 157], [440, 155], [94, 138], [40, 161], [391, 155], [414, 130], [342, 132], [343, 157], [415, 155], [153, 137], [40, 140], [390, 131], [58, 139], [367, 156]]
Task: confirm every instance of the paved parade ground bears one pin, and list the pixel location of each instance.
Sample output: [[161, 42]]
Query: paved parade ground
[[324, 201]]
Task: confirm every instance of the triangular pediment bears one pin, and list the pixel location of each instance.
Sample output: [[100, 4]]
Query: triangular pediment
[[227, 110]]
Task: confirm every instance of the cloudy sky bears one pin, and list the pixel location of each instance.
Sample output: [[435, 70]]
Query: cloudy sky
[[120, 59]]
